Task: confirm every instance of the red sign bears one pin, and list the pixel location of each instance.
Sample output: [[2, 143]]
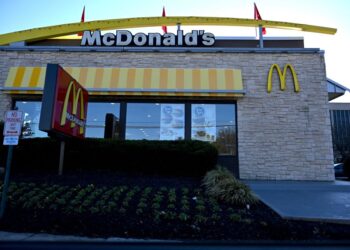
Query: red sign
[[69, 104]]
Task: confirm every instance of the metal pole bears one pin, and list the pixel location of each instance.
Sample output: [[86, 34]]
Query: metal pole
[[60, 167], [178, 26], [6, 181], [261, 40]]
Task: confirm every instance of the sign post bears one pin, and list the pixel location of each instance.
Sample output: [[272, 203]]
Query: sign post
[[64, 107], [12, 131]]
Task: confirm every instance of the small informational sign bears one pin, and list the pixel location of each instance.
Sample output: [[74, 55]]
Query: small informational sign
[[13, 123], [11, 140]]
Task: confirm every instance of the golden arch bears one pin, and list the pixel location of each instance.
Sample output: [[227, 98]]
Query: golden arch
[[282, 77], [76, 97], [139, 22]]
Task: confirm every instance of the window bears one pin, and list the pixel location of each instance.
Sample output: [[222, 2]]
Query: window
[[155, 121], [31, 117], [215, 123], [96, 115]]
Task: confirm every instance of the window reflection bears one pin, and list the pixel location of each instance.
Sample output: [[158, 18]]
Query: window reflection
[[215, 123], [155, 121], [95, 124], [31, 117]]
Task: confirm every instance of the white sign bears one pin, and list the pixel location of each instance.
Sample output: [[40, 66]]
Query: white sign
[[11, 140], [172, 121], [13, 123], [204, 122]]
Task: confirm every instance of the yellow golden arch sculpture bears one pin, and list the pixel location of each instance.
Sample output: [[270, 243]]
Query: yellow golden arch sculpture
[[73, 28]]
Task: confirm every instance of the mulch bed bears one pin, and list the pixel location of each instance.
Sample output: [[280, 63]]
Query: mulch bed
[[191, 215]]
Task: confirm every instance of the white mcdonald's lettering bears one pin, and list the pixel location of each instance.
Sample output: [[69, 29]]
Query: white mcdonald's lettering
[[282, 77], [77, 95]]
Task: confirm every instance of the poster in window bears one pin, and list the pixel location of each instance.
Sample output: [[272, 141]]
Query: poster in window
[[172, 121], [204, 122]]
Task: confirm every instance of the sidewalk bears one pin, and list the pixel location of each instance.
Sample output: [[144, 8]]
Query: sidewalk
[[308, 200], [38, 237]]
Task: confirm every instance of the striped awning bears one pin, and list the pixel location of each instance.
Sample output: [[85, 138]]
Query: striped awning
[[134, 81]]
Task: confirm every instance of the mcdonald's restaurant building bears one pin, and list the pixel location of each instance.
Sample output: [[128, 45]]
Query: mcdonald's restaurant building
[[265, 109]]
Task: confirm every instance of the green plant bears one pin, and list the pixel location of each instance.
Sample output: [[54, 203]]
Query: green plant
[[155, 205], [184, 217], [215, 217], [169, 215], [94, 210], [122, 210], [200, 208], [171, 206], [235, 217], [185, 191], [198, 218], [172, 195], [142, 205], [222, 185], [185, 208], [139, 211]]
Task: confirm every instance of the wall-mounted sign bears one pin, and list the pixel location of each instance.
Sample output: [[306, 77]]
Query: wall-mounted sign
[[64, 104], [282, 77], [126, 38]]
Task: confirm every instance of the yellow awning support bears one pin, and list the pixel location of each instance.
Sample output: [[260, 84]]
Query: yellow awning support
[[134, 81], [125, 23]]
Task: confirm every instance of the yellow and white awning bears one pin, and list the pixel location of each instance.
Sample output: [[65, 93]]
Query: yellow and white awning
[[134, 81]]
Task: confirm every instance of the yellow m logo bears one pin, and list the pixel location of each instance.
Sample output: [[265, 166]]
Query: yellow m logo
[[77, 95], [282, 77]]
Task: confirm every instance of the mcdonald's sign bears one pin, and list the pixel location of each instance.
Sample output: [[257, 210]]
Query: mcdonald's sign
[[282, 77], [64, 104]]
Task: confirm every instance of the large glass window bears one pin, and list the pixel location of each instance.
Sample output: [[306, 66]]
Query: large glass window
[[31, 111], [155, 121], [215, 123], [95, 124]]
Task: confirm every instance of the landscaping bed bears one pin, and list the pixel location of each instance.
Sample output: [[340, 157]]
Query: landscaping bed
[[142, 206]]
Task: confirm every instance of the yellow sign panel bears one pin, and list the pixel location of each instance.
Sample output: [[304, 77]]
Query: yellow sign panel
[[282, 77], [77, 95]]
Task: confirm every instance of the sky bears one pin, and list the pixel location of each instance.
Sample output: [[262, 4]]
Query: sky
[[16, 15]]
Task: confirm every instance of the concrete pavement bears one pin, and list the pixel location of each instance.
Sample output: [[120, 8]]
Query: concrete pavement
[[308, 200]]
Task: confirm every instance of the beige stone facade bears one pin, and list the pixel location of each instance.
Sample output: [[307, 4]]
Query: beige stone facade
[[281, 136]]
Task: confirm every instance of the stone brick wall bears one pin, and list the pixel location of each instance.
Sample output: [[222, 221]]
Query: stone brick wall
[[282, 135]]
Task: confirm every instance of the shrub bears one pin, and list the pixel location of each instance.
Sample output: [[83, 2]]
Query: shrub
[[154, 157], [222, 185]]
